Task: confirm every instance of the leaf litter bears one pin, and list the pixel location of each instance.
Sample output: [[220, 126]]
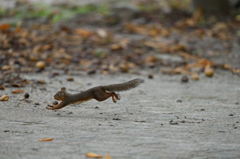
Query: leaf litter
[[95, 46]]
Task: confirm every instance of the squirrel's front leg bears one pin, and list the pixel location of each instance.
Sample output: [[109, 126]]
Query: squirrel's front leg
[[58, 106], [50, 107]]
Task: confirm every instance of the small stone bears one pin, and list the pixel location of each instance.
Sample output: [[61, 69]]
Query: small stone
[[179, 101], [209, 72], [231, 115], [184, 79], [116, 119], [26, 95], [150, 76]]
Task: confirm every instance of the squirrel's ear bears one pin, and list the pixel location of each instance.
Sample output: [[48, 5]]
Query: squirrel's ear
[[63, 89]]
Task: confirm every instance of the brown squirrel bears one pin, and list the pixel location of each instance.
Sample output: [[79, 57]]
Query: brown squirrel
[[99, 93]]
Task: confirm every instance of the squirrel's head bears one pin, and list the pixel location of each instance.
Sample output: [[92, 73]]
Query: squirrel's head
[[61, 94]]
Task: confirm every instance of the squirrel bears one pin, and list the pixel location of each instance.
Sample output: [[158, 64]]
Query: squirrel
[[99, 93]]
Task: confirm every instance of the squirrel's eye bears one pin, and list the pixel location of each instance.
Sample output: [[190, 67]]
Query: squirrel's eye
[[58, 94]]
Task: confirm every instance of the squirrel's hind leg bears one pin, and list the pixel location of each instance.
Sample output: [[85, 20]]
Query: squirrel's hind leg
[[101, 95], [115, 97]]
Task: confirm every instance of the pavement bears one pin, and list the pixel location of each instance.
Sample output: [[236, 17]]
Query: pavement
[[161, 118]]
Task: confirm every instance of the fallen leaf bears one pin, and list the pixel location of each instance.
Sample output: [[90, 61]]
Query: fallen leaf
[[197, 14], [1, 87], [46, 139], [47, 47], [93, 155], [195, 76], [150, 58], [83, 32], [41, 82], [5, 26], [70, 78], [4, 98], [116, 47], [18, 91], [16, 85], [108, 156], [227, 66]]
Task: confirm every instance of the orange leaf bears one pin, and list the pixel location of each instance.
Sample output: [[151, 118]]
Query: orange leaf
[[108, 156], [46, 139], [5, 26], [93, 155], [18, 91], [84, 33]]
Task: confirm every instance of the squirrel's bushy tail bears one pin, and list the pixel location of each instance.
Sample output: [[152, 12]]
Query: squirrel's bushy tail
[[123, 86]]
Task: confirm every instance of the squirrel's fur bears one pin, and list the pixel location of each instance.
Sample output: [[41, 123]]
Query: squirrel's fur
[[99, 93]]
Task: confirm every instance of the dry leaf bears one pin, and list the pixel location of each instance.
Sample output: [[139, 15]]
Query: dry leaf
[[197, 14], [135, 28], [195, 76], [16, 85], [84, 33], [1, 87], [47, 47], [116, 47], [7, 67], [18, 91], [5, 26], [41, 82], [4, 98], [70, 79], [93, 155], [37, 48], [150, 58], [227, 66], [46, 139], [108, 156]]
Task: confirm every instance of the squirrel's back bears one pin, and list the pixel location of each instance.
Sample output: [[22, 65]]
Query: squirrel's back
[[123, 86]]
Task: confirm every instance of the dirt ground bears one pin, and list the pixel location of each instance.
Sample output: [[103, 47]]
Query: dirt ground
[[162, 118]]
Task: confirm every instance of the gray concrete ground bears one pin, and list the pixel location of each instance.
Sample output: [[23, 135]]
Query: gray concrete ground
[[161, 118]]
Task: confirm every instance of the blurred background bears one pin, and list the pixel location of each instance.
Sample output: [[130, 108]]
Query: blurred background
[[188, 37]]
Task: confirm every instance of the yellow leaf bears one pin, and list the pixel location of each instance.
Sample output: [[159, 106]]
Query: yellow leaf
[[4, 98], [93, 155], [108, 156]]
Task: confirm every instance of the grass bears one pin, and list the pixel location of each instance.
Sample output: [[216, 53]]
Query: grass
[[53, 13]]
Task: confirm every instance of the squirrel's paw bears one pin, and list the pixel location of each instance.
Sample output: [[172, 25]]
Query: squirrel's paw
[[50, 107], [114, 100], [118, 97]]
